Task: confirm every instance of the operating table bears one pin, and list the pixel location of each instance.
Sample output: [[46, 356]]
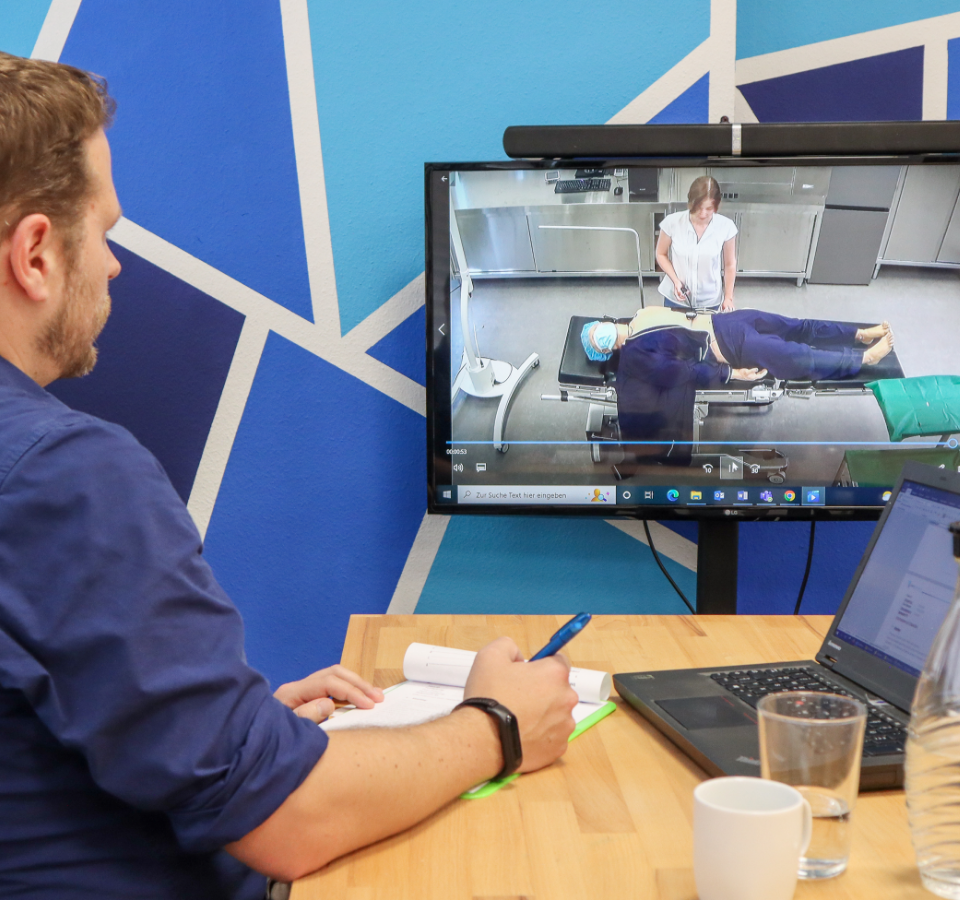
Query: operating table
[[595, 383]]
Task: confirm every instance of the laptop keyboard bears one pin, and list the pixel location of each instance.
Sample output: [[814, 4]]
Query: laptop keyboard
[[884, 734]]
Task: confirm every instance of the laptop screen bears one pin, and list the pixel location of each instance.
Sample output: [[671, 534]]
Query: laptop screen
[[907, 584]]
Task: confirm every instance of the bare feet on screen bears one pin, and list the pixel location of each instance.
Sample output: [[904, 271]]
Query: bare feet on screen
[[873, 355], [869, 335]]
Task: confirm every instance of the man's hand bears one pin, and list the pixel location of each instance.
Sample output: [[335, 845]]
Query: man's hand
[[537, 693], [727, 305], [374, 782], [313, 696], [747, 374]]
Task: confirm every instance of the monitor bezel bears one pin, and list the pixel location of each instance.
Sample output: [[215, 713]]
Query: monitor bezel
[[438, 382]]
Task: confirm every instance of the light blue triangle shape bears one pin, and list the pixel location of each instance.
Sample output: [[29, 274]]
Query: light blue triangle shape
[[765, 27], [20, 24], [534, 566], [401, 84]]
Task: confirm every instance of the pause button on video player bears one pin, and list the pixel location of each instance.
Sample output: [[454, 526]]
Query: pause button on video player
[[731, 466]]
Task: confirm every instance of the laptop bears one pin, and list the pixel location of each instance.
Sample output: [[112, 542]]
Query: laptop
[[874, 650]]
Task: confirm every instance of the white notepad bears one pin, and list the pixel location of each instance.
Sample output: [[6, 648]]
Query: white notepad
[[435, 680]]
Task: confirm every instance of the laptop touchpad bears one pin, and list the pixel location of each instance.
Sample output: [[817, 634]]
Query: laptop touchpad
[[705, 712]]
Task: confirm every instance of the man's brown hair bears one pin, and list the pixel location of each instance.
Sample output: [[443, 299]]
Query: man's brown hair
[[47, 112], [703, 188]]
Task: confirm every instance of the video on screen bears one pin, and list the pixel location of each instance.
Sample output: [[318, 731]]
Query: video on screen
[[775, 325]]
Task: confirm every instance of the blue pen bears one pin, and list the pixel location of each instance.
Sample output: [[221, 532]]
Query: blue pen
[[564, 635]]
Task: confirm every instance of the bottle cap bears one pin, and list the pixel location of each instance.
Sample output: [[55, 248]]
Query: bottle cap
[[955, 531]]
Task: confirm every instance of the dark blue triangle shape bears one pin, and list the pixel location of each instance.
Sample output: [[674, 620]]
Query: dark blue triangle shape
[[203, 143], [881, 88], [164, 358], [404, 348]]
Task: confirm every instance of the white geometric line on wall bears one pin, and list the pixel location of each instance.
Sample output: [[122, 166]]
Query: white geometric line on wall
[[55, 29], [416, 570], [668, 543], [226, 421], [403, 304], [667, 87], [376, 374], [262, 316], [723, 45], [277, 318], [742, 112], [301, 86], [934, 31], [935, 64]]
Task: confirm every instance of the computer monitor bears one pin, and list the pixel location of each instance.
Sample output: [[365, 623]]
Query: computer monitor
[[521, 255]]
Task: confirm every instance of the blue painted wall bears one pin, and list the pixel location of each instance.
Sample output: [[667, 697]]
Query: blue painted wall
[[20, 23], [400, 84], [765, 27], [322, 492], [204, 109], [883, 88], [953, 79]]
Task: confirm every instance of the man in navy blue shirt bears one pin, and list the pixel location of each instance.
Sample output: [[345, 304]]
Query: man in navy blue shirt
[[135, 742]]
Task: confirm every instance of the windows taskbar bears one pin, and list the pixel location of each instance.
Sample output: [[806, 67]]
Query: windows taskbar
[[660, 495]]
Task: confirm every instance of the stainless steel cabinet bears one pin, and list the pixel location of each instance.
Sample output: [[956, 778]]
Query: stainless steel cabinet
[[774, 239], [496, 240], [613, 252], [922, 214], [777, 214], [950, 248], [509, 240], [795, 185], [847, 246]]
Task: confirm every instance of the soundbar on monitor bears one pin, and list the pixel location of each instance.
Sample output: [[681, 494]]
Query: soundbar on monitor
[[748, 139]]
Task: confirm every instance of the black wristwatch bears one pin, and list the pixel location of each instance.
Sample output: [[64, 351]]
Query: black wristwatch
[[509, 732]]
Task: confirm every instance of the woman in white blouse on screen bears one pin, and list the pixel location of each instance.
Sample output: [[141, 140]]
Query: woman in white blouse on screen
[[697, 250]]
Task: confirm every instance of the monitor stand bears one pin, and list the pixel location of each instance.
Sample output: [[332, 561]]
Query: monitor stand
[[717, 544]]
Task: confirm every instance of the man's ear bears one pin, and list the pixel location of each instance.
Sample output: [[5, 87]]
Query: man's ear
[[34, 256]]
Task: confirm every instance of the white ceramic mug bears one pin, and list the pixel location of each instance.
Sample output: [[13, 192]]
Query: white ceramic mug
[[748, 837]]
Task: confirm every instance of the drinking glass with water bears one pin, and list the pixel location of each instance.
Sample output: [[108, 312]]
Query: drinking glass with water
[[814, 742]]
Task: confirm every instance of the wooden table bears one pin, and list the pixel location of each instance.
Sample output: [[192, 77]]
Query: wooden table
[[613, 818]]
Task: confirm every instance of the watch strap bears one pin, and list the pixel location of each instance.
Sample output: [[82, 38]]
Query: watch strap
[[507, 728]]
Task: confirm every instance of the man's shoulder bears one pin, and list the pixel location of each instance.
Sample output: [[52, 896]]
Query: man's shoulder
[[35, 421]]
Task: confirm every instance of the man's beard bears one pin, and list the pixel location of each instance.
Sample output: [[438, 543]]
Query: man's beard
[[68, 339]]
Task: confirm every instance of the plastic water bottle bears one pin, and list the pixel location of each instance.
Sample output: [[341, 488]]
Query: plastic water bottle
[[933, 756]]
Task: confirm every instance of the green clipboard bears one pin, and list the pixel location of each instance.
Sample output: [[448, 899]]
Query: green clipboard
[[490, 787]]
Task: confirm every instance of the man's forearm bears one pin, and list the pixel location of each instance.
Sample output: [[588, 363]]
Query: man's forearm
[[370, 784]]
